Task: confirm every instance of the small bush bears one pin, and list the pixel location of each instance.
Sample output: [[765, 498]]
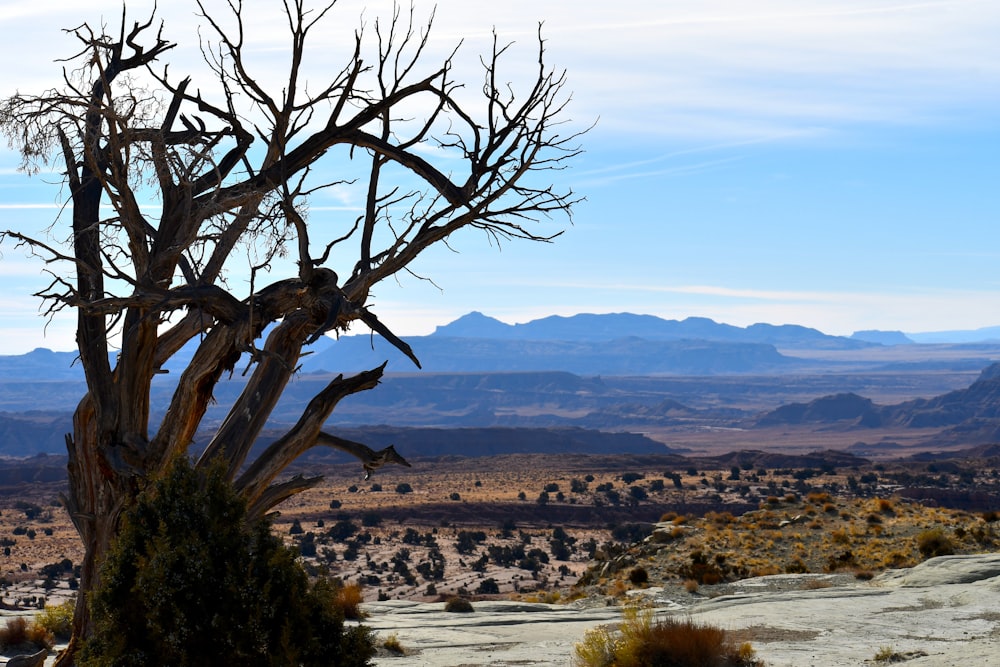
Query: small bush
[[22, 634], [458, 605], [403, 487], [57, 619], [15, 633], [884, 506], [488, 587], [392, 645], [39, 636], [818, 498], [639, 642], [348, 600], [797, 566], [886, 654], [638, 576], [934, 542]]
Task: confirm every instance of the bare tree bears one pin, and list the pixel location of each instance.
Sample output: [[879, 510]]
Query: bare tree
[[233, 182]]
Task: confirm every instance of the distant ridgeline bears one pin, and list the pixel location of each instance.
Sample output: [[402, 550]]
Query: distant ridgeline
[[611, 344], [559, 380], [617, 344], [973, 413]]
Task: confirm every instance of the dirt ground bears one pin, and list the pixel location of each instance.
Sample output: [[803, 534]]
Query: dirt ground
[[525, 526], [38, 538]]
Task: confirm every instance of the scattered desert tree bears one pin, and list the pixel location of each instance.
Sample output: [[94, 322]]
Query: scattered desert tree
[[175, 188]]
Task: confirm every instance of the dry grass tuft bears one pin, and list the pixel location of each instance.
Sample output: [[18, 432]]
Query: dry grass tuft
[[22, 633], [15, 633], [934, 542], [641, 642], [348, 599], [392, 645]]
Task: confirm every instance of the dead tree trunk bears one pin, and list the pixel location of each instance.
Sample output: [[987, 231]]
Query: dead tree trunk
[[144, 285]]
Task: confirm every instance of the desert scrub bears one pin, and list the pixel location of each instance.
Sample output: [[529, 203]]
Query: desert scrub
[[19, 633], [640, 642], [192, 579], [458, 605], [885, 654], [840, 536], [818, 498], [392, 645], [348, 599], [934, 542], [57, 619], [638, 576], [796, 566]]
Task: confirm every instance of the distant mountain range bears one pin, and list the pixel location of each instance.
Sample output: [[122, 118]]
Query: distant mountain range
[[586, 344], [588, 327], [613, 344]]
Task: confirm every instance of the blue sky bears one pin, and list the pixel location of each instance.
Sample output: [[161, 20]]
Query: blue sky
[[834, 164]]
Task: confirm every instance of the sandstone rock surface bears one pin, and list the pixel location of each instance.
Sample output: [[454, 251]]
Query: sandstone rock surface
[[942, 613]]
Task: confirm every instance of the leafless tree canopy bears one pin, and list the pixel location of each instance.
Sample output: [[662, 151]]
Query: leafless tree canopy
[[229, 173]]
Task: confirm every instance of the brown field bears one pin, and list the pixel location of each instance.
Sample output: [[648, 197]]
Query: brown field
[[403, 541]]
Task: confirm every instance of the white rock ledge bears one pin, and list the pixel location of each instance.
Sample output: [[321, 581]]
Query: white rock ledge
[[944, 613]]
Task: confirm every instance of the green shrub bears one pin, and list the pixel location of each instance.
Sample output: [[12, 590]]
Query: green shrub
[[57, 619], [458, 605], [638, 576], [190, 580]]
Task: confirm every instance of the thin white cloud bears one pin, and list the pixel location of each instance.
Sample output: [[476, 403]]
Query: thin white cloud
[[692, 168], [716, 68]]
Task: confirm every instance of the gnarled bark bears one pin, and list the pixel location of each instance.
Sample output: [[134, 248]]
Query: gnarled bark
[[145, 285]]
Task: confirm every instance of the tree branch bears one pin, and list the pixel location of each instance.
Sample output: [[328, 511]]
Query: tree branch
[[303, 434]]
